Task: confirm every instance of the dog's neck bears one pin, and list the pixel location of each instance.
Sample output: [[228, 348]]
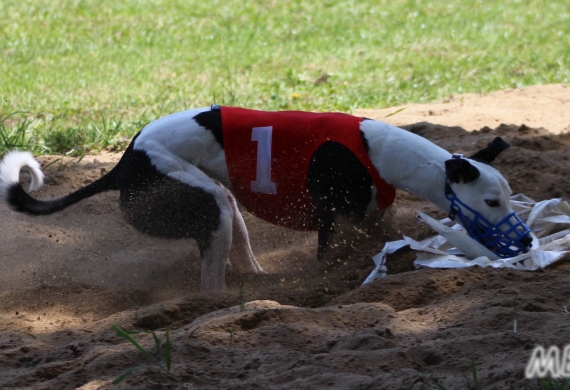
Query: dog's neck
[[407, 161]]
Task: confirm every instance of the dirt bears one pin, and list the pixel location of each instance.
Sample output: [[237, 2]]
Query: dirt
[[67, 278]]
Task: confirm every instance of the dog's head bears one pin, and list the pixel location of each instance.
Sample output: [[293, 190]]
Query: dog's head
[[480, 199]]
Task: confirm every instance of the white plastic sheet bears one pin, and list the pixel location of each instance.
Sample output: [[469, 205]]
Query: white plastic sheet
[[548, 220]]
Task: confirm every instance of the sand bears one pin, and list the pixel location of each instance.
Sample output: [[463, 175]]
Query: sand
[[66, 278]]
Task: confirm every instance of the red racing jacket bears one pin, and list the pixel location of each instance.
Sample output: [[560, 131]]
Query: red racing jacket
[[268, 156]]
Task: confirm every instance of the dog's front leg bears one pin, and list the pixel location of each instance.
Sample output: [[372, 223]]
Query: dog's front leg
[[325, 231], [339, 186]]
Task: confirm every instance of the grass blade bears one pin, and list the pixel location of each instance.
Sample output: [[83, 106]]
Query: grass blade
[[193, 331], [26, 333], [137, 331], [395, 112], [168, 350], [438, 385], [126, 374], [122, 333], [156, 340], [474, 372]]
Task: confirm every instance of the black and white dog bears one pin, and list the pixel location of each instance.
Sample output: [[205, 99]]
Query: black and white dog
[[181, 175]]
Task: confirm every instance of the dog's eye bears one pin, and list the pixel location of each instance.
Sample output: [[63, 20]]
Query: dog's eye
[[492, 203]]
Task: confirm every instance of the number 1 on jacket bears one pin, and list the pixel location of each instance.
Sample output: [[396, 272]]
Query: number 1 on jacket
[[263, 183]]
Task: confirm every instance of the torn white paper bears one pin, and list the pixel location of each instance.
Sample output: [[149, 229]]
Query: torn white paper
[[548, 221]]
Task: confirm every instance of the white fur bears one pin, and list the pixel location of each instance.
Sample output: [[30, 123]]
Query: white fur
[[214, 260], [410, 162], [10, 168], [489, 186], [185, 151], [407, 161], [231, 226], [179, 135]]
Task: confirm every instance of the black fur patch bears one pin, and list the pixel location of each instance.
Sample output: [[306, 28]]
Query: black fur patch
[[365, 142], [339, 185], [161, 206], [459, 170], [493, 149], [212, 120]]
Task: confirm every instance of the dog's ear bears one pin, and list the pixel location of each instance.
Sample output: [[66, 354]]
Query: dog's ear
[[493, 149], [459, 170]]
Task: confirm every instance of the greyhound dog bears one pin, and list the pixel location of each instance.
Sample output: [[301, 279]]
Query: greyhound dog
[[182, 176]]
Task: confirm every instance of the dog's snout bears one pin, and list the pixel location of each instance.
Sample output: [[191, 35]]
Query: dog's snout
[[526, 240]]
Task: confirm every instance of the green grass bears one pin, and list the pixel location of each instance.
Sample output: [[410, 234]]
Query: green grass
[[162, 355], [553, 384], [75, 65]]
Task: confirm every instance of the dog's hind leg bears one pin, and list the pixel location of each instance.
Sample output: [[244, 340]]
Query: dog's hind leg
[[241, 255], [177, 200], [215, 250]]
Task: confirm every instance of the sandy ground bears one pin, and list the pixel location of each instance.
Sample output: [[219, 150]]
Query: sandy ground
[[66, 278], [537, 106]]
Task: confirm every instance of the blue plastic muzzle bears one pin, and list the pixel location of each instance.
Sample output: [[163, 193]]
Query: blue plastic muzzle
[[508, 238]]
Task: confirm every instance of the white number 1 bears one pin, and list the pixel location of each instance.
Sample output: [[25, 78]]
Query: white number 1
[[263, 183]]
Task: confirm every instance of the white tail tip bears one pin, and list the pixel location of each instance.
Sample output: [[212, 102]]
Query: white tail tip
[[10, 168]]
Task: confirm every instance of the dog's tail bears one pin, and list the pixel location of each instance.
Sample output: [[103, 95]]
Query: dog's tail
[[12, 192]]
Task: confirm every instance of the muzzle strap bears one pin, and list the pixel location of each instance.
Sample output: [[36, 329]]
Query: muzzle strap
[[507, 238]]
